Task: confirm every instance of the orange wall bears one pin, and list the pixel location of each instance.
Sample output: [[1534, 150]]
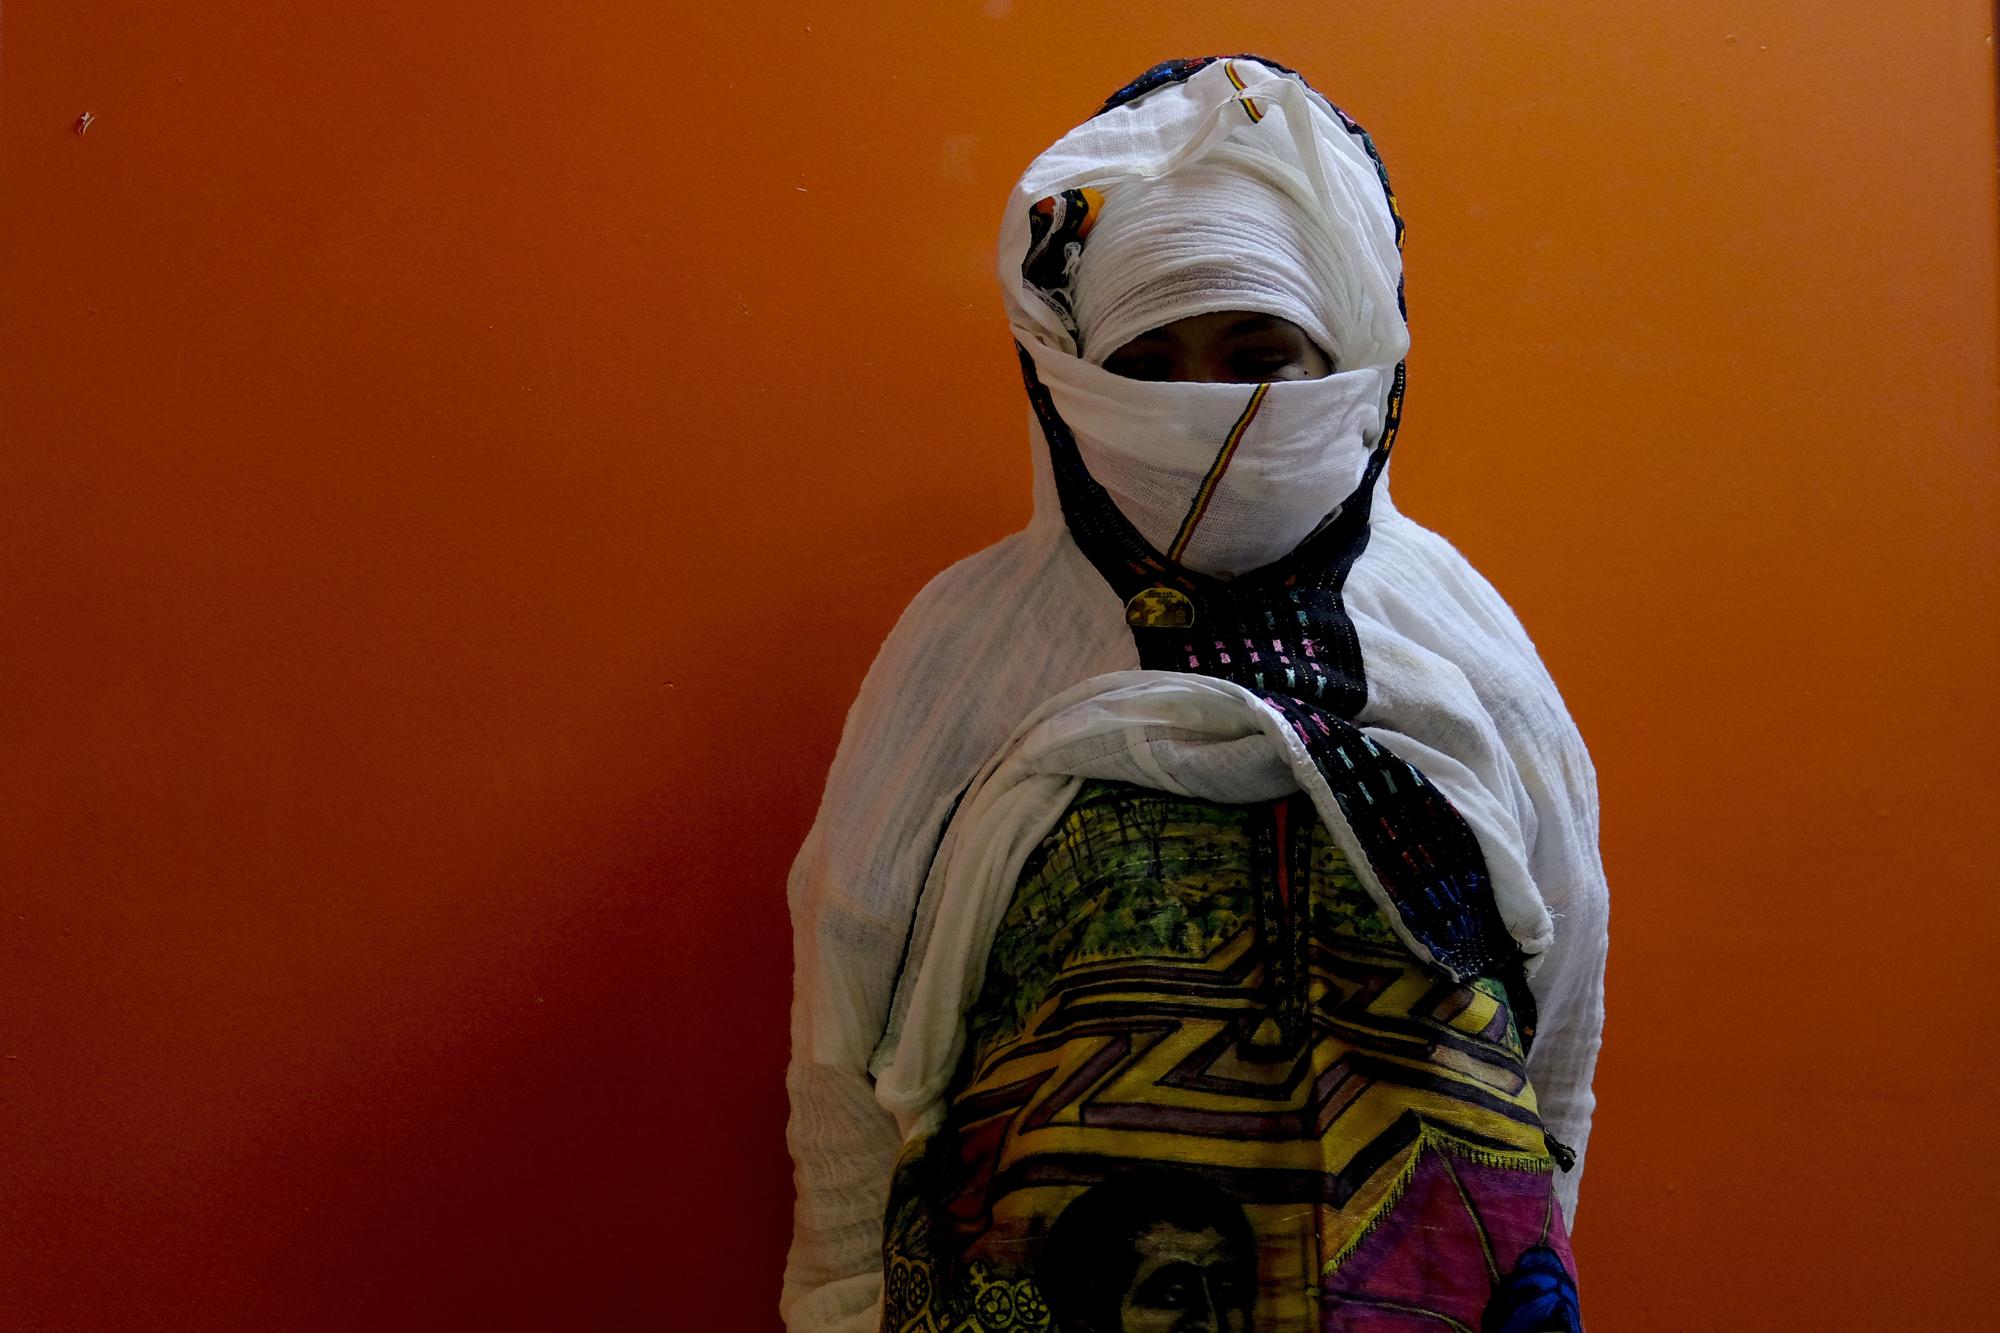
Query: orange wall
[[458, 459]]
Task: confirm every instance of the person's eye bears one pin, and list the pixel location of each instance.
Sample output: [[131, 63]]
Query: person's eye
[[1263, 360], [1164, 1292], [1140, 367]]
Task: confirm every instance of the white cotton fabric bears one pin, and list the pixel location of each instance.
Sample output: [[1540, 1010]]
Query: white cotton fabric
[[1235, 230], [970, 670], [1151, 446]]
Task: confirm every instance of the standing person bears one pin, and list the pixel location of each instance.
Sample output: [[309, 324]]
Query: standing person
[[1222, 827]]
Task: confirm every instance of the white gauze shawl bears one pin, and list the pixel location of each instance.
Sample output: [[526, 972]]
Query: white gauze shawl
[[1454, 686]]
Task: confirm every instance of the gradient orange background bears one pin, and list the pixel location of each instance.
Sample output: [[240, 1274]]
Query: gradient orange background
[[458, 460]]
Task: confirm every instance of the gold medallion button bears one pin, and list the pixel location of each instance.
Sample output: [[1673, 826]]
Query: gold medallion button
[[1160, 608]]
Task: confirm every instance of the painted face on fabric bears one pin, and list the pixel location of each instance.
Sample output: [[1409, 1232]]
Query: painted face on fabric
[[1186, 1282], [1223, 347]]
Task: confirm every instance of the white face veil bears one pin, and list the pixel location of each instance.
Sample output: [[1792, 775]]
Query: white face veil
[[1453, 683]]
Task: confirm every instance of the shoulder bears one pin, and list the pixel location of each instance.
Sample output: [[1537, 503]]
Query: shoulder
[[1409, 570], [1028, 595], [960, 597]]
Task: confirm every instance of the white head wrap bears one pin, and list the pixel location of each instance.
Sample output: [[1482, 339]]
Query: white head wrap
[[1454, 683], [1236, 137], [1236, 230]]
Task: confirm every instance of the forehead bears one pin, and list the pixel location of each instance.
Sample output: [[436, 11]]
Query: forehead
[[1164, 1243]]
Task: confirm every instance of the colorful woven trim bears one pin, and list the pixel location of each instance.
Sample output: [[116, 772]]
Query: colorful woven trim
[[1205, 492]]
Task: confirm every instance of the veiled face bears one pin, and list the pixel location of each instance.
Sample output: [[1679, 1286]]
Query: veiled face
[[1224, 347]]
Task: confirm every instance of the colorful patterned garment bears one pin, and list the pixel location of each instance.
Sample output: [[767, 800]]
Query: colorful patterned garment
[[1205, 1087]]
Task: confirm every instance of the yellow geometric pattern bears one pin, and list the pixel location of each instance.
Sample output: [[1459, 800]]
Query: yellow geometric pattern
[[1146, 1060], [1144, 1049]]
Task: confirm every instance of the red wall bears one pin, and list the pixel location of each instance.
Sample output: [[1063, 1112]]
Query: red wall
[[457, 460]]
